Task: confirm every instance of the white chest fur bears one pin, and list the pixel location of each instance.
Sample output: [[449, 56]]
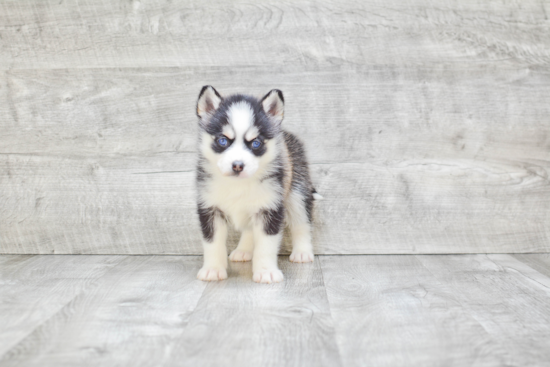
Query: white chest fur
[[240, 199]]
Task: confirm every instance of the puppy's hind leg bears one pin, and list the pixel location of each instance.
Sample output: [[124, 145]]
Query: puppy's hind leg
[[302, 250], [244, 250], [299, 223]]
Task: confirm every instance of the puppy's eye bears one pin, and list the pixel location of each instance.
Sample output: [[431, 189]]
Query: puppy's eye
[[222, 141], [256, 144]]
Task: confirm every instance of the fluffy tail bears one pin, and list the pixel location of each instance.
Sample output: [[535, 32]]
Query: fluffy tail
[[316, 196]]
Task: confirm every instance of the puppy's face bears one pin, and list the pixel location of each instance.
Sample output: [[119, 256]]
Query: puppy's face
[[237, 133]]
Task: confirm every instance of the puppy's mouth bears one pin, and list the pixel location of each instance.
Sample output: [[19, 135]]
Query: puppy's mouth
[[236, 174], [239, 175]]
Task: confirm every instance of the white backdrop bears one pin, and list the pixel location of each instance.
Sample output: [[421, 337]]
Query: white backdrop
[[427, 128]]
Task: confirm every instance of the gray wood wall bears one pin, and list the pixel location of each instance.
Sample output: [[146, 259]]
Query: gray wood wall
[[427, 123]]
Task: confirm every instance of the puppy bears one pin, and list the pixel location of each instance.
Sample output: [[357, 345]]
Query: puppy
[[254, 175]]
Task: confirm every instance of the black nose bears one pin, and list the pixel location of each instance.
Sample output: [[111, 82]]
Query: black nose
[[238, 166]]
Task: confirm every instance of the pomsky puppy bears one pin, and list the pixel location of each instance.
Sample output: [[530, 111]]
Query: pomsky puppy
[[254, 175]]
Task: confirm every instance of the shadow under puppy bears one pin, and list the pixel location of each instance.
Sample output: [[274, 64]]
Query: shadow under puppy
[[255, 175]]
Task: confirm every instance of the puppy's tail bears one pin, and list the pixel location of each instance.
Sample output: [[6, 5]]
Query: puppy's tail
[[316, 195]]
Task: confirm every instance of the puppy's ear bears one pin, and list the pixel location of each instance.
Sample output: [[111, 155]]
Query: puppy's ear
[[209, 101], [274, 105]]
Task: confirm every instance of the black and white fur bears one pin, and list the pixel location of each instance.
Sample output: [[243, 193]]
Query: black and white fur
[[258, 189]]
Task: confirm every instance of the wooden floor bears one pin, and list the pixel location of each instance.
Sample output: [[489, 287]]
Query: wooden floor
[[377, 310]]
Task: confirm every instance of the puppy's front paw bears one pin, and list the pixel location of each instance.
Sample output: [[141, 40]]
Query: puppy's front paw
[[301, 257], [212, 274], [239, 255], [268, 276]]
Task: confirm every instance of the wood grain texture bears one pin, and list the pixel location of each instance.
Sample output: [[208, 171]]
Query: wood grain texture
[[35, 288], [240, 322], [83, 34], [108, 175], [130, 315], [151, 309], [459, 310], [377, 310], [539, 262], [509, 300], [392, 311], [427, 126]]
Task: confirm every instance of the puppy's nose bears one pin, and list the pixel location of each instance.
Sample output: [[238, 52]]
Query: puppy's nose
[[238, 166]]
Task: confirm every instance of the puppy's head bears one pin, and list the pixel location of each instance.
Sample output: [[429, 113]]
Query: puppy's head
[[238, 133]]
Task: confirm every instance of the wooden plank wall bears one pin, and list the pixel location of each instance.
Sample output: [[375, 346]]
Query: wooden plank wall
[[427, 124]]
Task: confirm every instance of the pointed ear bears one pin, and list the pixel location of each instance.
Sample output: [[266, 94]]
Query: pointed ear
[[209, 101], [274, 105]]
